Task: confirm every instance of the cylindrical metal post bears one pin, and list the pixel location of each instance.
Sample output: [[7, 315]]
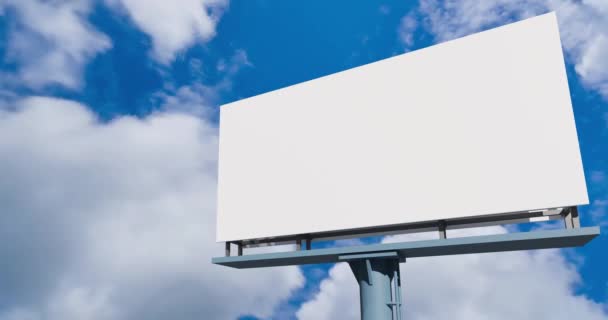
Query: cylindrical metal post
[[374, 277]]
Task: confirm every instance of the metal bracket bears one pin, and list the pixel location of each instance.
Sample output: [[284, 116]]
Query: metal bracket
[[367, 257], [303, 243], [368, 267], [395, 302], [239, 246], [442, 229], [571, 218]]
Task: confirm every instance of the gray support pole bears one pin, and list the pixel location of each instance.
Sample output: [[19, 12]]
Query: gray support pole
[[374, 277]]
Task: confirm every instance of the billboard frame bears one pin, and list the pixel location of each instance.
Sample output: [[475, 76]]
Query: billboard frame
[[376, 266], [319, 204], [531, 240], [303, 241]]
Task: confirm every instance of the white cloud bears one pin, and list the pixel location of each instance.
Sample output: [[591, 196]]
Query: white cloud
[[173, 25], [192, 99], [599, 210], [407, 28], [195, 98], [338, 297], [116, 220], [236, 62], [384, 9], [510, 285], [50, 42], [583, 27]]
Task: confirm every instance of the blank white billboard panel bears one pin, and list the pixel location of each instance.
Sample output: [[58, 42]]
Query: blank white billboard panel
[[476, 126]]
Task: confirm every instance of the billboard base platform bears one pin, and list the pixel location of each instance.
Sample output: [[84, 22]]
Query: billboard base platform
[[571, 237]]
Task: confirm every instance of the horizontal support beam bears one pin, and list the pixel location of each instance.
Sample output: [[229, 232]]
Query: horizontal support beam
[[456, 223], [414, 249], [374, 255]]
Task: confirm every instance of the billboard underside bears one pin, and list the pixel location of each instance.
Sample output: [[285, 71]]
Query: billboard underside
[[476, 126]]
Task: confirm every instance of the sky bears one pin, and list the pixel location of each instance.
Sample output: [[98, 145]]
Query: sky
[[108, 156]]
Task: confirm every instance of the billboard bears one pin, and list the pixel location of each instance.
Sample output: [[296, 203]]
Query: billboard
[[481, 125]]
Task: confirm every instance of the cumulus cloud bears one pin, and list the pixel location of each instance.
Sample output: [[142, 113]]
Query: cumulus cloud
[[173, 25], [50, 42], [196, 98], [116, 220], [598, 210], [407, 28], [511, 285], [583, 27], [190, 99]]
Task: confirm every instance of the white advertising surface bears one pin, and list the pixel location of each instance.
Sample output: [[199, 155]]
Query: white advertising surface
[[476, 126]]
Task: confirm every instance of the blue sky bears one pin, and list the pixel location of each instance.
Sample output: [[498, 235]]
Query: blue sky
[[117, 87]]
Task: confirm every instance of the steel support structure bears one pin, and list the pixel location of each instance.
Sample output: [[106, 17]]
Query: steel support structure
[[376, 266], [571, 218], [459, 223], [379, 280]]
